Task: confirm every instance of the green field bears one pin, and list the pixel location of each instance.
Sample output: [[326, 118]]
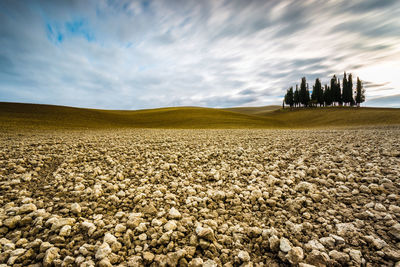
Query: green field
[[48, 116]]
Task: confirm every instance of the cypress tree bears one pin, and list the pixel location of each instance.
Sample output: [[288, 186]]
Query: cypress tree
[[360, 92], [327, 95], [320, 97], [339, 93], [317, 96], [304, 94], [289, 97], [318, 90], [349, 94], [296, 96], [345, 88], [333, 89]]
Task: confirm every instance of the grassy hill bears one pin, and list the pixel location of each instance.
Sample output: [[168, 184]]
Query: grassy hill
[[33, 115], [254, 110], [336, 117], [48, 116]]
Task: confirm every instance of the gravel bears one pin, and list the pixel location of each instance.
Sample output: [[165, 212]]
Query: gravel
[[200, 197]]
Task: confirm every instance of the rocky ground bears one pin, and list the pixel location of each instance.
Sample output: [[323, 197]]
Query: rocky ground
[[200, 198]]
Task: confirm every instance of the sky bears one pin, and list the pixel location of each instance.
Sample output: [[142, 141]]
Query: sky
[[148, 54]]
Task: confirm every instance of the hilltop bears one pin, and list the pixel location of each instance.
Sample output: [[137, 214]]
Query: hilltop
[[50, 116]]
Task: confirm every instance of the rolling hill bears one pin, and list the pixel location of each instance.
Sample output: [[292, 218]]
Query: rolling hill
[[49, 116], [254, 110]]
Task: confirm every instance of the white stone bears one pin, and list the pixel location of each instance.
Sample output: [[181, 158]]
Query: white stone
[[170, 225], [174, 213], [103, 251], [285, 245], [76, 208], [244, 256], [65, 230], [120, 228], [109, 238], [50, 255]]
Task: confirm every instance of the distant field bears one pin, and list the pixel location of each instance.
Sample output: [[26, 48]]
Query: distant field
[[254, 110], [336, 116], [49, 116]]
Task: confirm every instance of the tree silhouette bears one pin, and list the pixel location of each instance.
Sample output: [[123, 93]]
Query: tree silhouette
[[304, 94], [350, 99], [333, 89], [289, 97], [345, 88], [348, 90], [329, 95], [317, 95], [360, 92], [296, 97]]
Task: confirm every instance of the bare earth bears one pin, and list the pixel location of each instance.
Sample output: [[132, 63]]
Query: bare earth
[[200, 197]]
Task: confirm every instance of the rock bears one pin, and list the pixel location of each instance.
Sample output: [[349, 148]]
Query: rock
[[150, 210], [17, 252], [376, 242], [65, 230], [395, 231], [27, 208], [68, 261], [76, 208], [44, 246], [12, 222], [170, 226], [285, 245], [50, 255], [314, 245], [380, 207], [103, 251], [141, 228], [395, 209], [196, 262], [344, 228], [109, 238], [274, 243], [295, 255], [244, 256], [340, 257], [338, 239], [317, 258], [328, 242], [88, 227], [302, 264], [174, 214], [135, 261], [392, 254], [105, 262], [57, 223], [148, 257], [205, 232], [143, 237], [210, 263], [355, 255], [120, 228], [173, 258]]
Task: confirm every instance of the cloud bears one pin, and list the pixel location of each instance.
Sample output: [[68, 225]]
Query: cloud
[[368, 84], [145, 54], [392, 101]]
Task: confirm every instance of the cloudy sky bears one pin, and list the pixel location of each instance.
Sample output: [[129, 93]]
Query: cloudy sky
[[147, 54]]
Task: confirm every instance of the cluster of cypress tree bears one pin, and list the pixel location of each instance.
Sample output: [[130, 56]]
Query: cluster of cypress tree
[[329, 95]]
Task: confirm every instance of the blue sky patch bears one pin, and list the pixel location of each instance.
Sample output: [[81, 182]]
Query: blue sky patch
[[58, 33], [80, 28]]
